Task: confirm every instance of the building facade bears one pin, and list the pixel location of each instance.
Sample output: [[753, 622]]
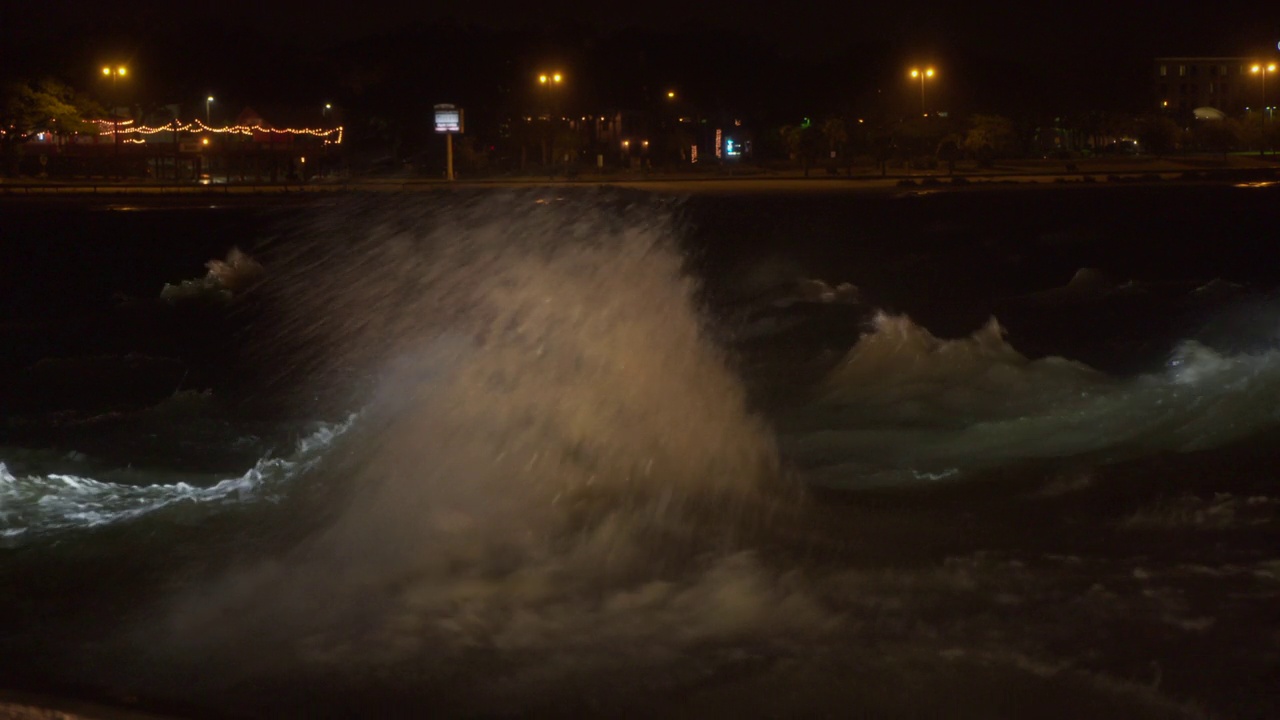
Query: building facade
[[1229, 84]]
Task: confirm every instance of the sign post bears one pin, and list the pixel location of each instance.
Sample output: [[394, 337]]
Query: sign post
[[448, 122]]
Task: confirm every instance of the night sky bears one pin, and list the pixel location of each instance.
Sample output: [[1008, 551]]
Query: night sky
[[1035, 29], [1092, 51]]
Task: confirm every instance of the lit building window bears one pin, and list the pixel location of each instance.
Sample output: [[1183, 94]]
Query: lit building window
[[1164, 70]]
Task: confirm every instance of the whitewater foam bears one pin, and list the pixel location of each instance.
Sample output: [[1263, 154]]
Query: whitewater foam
[[224, 279], [34, 505], [904, 407]]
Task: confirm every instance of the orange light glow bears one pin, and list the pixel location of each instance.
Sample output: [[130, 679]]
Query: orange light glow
[[330, 135]]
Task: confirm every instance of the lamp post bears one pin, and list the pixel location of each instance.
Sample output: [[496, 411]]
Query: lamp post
[[1257, 69], [115, 73], [548, 82], [208, 101], [922, 74]]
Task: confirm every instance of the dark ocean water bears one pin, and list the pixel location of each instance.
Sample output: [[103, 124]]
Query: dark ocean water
[[996, 453]]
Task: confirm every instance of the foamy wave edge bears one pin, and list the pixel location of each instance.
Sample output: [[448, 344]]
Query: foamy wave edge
[[35, 505]]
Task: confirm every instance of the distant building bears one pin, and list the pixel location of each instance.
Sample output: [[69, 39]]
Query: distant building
[[1228, 84]]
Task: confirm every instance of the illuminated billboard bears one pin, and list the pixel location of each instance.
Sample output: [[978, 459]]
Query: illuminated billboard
[[448, 119]]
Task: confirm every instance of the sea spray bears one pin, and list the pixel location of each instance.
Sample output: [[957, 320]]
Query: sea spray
[[546, 432]]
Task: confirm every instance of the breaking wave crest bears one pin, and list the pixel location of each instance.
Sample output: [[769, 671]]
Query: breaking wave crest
[[904, 407], [33, 505]]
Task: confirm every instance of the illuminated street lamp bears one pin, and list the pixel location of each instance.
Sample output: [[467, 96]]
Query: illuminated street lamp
[[671, 94], [115, 73], [548, 81], [207, 102], [922, 74], [1263, 70]]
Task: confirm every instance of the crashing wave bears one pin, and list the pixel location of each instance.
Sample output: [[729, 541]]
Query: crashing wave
[[904, 407], [224, 279]]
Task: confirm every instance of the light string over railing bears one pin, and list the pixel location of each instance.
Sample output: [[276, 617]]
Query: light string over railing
[[330, 135]]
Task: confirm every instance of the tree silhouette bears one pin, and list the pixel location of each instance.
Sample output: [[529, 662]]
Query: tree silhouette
[[28, 107]]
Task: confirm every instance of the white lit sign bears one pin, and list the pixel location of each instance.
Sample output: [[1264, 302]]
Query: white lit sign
[[448, 119]]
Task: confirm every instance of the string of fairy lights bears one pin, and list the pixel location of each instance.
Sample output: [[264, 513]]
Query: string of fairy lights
[[126, 127]]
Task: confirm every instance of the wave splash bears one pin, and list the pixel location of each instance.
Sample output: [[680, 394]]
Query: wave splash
[[551, 448]]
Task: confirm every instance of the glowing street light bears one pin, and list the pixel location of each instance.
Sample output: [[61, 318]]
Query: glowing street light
[[207, 102], [922, 74], [115, 73], [547, 81], [1259, 68], [671, 94]]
